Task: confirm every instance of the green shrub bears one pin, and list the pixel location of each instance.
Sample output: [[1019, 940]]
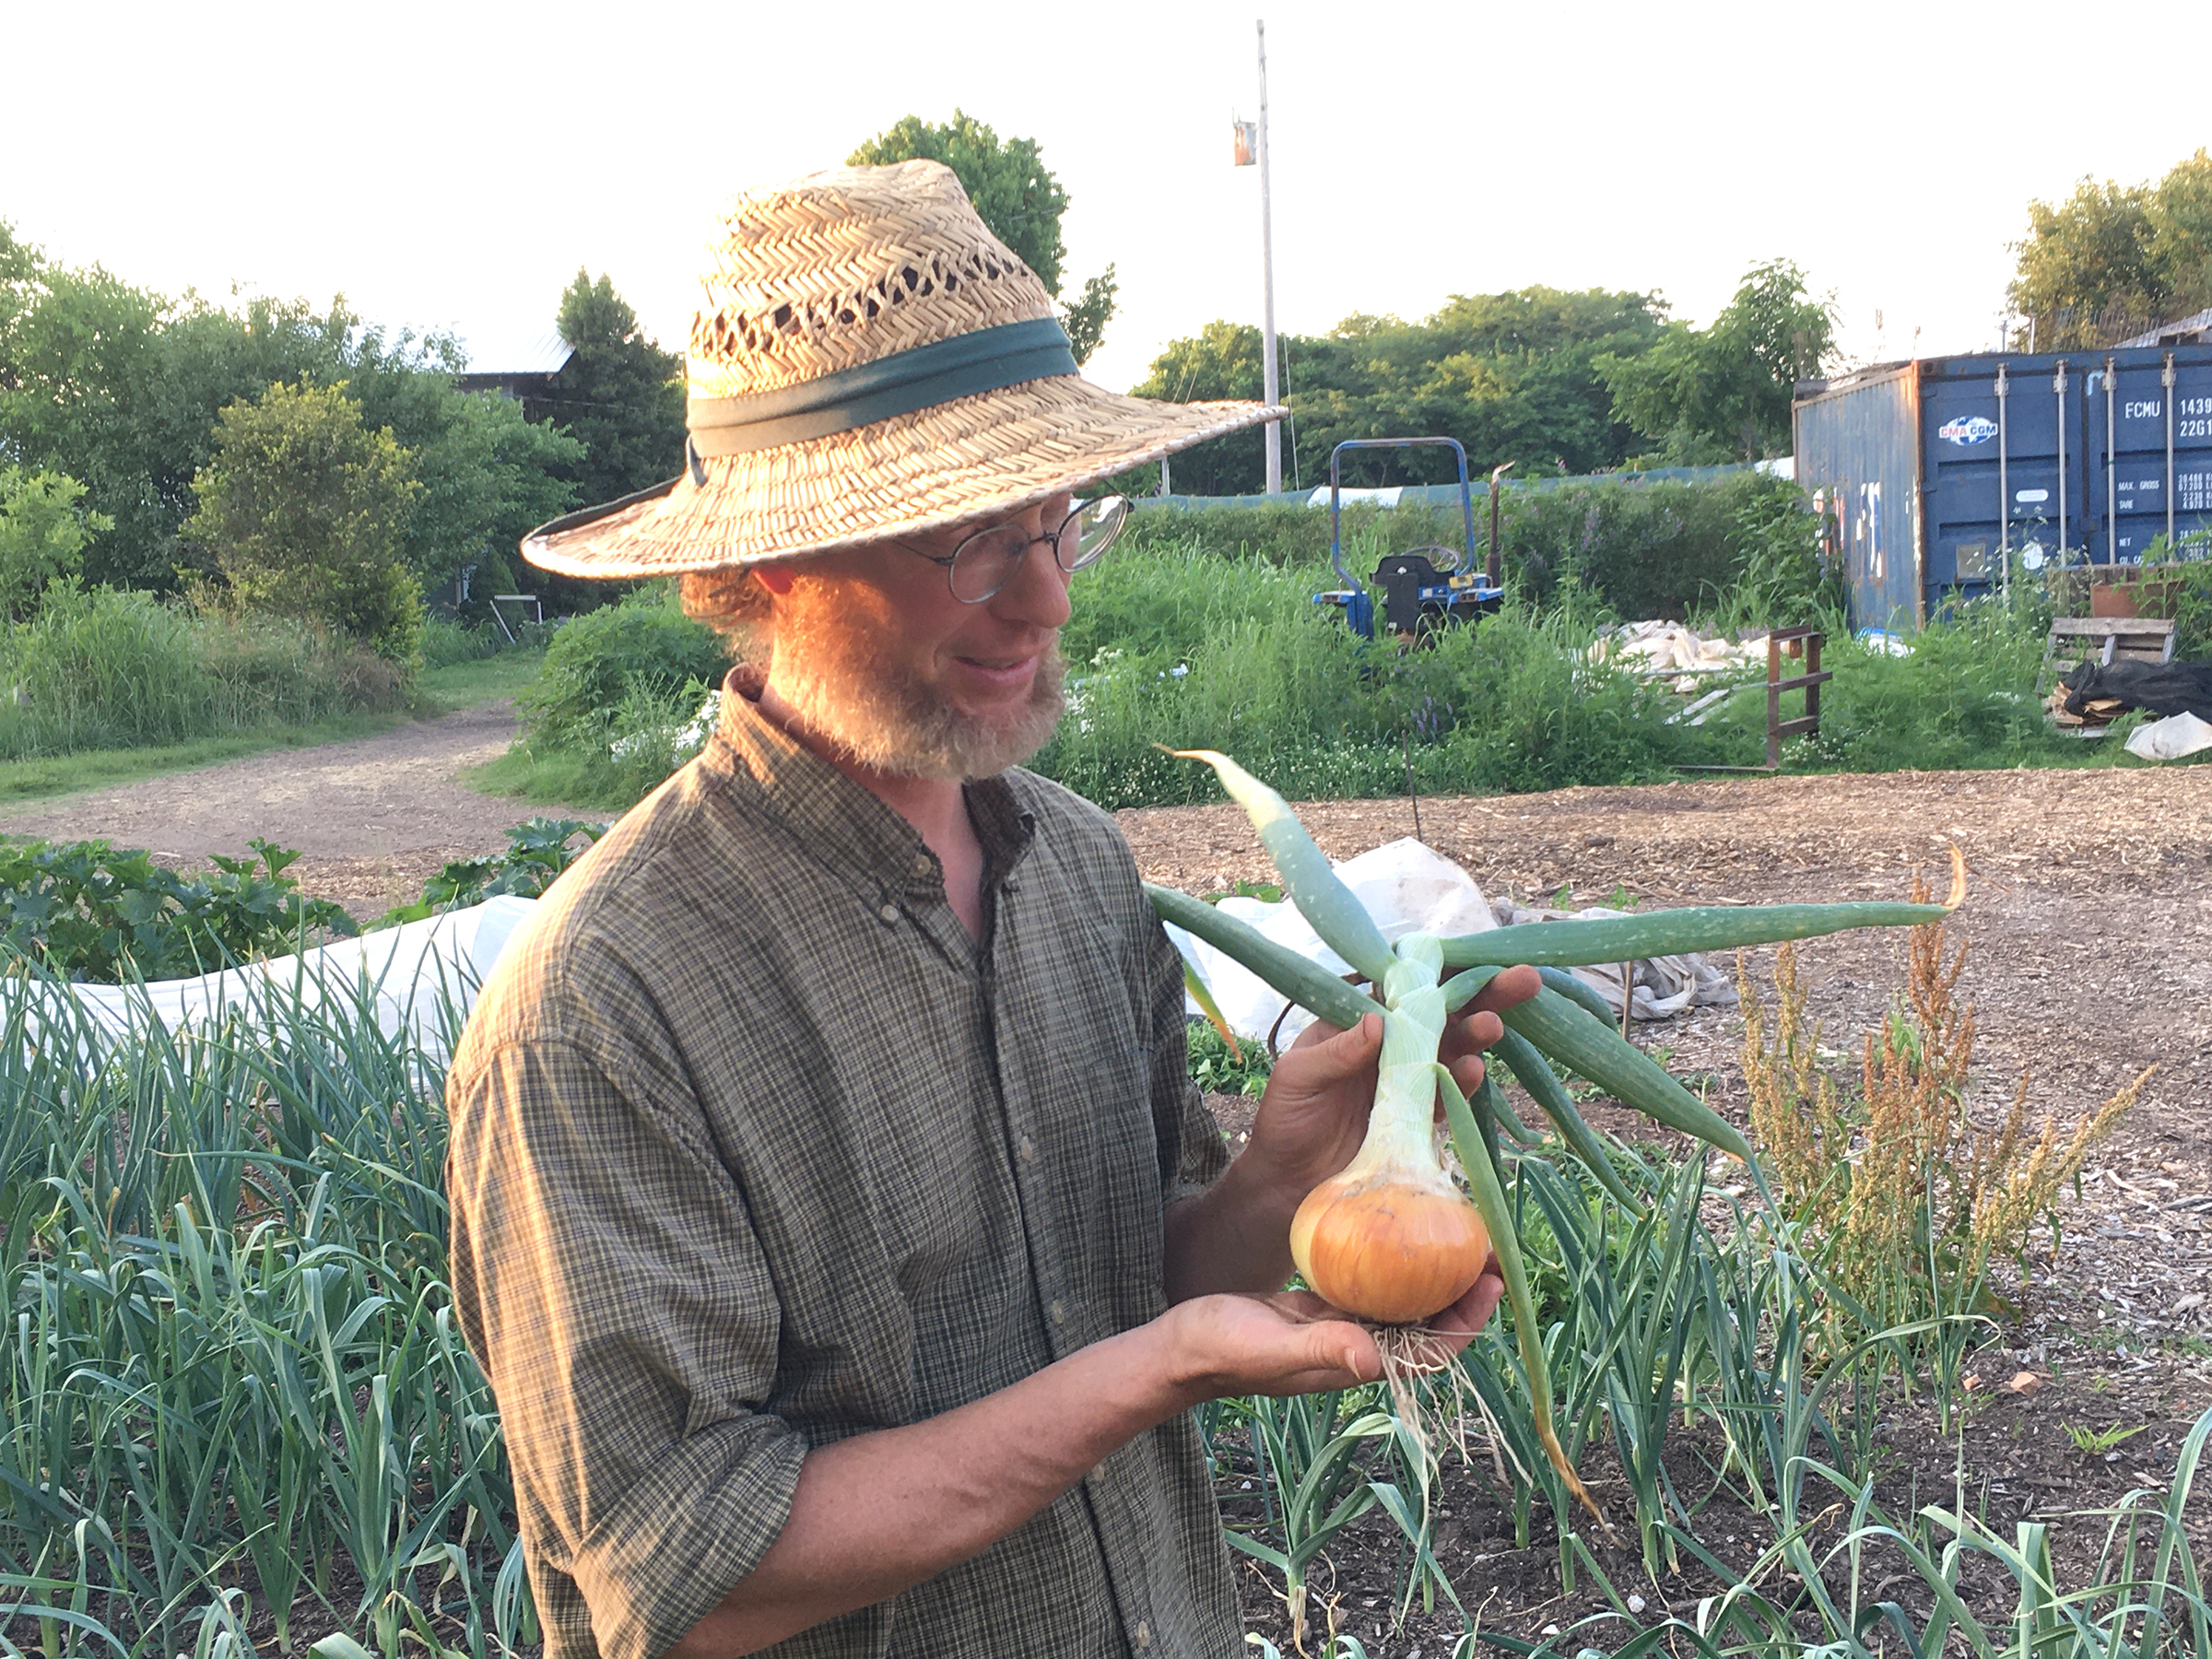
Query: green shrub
[[87, 911], [1965, 696], [1299, 535], [1640, 549], [105, 668], [537, 852], [644, 643], [304, 510], [2192, 613], [1232, 653], [1659, 549], [43, 533]]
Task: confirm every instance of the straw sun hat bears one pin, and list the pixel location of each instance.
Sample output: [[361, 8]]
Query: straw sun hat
[[869, 362]]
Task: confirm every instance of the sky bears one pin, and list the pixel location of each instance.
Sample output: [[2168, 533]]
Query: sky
[[454, 165]]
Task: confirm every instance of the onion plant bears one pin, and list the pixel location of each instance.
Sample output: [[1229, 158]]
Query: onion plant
[[1390, 1238]]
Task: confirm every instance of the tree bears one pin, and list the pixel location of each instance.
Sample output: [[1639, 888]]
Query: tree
[[487, 472], [1015, 196], [1723, 394], [619, 395], [2113, 258], [304, 512], [1512, 376], [1222, 361], [43, 529]]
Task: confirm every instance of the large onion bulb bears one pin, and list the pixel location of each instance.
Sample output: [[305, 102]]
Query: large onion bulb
[[1392, 1245], [1389, 1237]]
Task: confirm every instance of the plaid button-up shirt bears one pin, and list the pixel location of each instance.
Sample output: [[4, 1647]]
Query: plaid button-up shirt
[[754, 1148]]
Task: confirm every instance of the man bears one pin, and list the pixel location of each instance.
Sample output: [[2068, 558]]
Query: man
[[833, 1216]]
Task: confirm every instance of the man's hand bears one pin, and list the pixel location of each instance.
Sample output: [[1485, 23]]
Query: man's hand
[[1313, 1115], [1236, 1237], [1293, 1343]]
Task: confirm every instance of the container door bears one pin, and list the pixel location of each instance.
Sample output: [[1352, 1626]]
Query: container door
[[2192, 450], [1993, 447], [2155, 475], [2126, 409]]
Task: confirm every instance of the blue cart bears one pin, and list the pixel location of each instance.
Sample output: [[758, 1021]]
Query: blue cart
[[1421, 589]]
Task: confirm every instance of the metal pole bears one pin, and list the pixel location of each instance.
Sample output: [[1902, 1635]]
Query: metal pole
[[2112, 476], [1493, 574], [1270, 382], [2004, 496], [2166, 380], [2058, 385]]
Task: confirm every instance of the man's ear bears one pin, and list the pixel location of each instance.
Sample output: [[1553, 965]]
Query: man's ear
[[776, 576]]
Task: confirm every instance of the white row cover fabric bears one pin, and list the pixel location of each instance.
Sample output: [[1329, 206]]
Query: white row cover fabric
[[421, 978], [1409, 887]]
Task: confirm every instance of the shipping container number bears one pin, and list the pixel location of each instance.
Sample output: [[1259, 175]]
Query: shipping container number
[[2196, 429]]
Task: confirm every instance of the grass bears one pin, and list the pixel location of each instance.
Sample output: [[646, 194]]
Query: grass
[[469, 685], [436, 691]]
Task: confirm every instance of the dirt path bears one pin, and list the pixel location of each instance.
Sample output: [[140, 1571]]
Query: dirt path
[[371, 817]]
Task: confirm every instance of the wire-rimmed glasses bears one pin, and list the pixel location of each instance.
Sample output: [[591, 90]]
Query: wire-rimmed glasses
[[986, 561]]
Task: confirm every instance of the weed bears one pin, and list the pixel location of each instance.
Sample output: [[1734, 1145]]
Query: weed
[[1216, 1070], [1904, 1195], [2096, 1441]]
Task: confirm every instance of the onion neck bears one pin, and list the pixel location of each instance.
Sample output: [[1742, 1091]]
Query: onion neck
[[1401, 1129]]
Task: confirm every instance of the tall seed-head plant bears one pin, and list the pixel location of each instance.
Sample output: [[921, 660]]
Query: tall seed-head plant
[[1904, 1194]]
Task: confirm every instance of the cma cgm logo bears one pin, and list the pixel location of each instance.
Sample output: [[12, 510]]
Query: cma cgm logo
[[1968, 429]]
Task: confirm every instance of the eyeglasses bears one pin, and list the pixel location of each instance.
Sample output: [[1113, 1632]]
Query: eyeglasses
[[986, 561]]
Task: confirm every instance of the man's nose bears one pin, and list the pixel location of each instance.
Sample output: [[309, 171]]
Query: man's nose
[[1037, 593]]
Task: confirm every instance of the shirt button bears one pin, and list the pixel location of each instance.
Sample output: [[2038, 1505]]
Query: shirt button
[[1028, 1149], [921, 864], [1144, 1634], [889, 912], [1059, 1312]]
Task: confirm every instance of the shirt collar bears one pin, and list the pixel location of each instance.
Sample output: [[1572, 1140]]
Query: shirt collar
[[842, 822]]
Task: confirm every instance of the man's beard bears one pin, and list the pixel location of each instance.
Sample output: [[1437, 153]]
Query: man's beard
[[879, 714]]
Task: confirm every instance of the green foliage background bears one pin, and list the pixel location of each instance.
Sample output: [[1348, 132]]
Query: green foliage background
[[118, 387], [1549, 380]]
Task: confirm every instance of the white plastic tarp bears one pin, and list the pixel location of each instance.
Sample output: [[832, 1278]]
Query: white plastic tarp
[[1409, 887], [420, 978], [2171, 738]]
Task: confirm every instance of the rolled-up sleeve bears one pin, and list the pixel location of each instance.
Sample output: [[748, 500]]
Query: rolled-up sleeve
[[609, 1279]]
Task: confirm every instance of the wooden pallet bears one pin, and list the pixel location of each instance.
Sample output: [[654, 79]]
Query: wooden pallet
[[2106, 639]]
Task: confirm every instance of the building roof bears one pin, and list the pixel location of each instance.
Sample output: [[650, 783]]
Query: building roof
[[2182, 331], [495, 356]]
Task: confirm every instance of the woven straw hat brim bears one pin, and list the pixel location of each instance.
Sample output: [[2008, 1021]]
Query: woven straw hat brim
[[995, 453]]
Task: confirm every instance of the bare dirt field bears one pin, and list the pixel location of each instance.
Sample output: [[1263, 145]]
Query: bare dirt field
[[2089, 916]]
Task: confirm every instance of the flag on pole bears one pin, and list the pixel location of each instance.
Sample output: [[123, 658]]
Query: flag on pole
[[1246, 135]]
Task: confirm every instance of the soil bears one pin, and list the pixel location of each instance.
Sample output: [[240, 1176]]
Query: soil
[[2089, 913]]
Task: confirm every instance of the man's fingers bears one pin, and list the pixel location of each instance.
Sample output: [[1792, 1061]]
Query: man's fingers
[[1341, 1053], [1473, 1311], [1512, 985]]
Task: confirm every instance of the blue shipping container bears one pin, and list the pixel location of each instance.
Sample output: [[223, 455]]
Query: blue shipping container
[[1941, 477]]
